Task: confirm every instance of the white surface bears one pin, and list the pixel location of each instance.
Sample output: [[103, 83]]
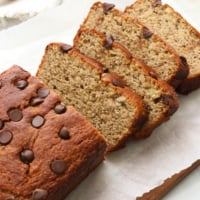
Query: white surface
[[188, 189], [15, 11], [141, 165]]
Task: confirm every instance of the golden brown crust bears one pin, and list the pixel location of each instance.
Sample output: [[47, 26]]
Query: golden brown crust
[[180, 72], [160, 191], [150, 74], [35, 155]]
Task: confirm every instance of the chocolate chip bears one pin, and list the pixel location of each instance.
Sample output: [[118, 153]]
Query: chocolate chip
[[39, 194], [153, 75], [167, 99], [157, 3], [36, 101], [64, 133], [183, 60], [66, 48], [147, 33], [58, 166], [105, 70], [60, 108], [156, 100], [27, 156], [6, 137], [15, 114], [140, 121], [108, 42], [37, 121], [1, 124], [21, 84], [43, 92], [1, 84], [117, 82], [107, 7]]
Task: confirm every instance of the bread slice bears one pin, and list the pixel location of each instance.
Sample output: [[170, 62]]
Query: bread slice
[[139, 40], [173, 28], [160, 98], [114, 109]]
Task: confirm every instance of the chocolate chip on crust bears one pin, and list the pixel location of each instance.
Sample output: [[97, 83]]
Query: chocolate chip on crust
[[66, 48], [15, 114], [64, 133], [58, 166], [27, 156], [157, 3], [153, 75], [37, 121], [43, 92], [147, 33], [140, 121], [36, 101], [1, 124], [118, 83], [60, 108], [6, 137], [184, 60], [109, 42], [107, 7], [21, 84], [39, 194], [169, 100]]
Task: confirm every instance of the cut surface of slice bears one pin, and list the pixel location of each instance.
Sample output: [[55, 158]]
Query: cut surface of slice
[[114, 109], [160, 98]]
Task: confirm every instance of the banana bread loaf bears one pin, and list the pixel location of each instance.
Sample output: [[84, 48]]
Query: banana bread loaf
[[173, 28], [114, 109], [139, 40], [159, 97], [46, 148]]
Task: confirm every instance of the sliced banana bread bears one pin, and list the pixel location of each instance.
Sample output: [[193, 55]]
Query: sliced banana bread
[[139, 40], [173, 28], [114, 109], [159, 97]]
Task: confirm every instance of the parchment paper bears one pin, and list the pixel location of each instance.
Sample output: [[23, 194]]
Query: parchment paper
[[142, 165]]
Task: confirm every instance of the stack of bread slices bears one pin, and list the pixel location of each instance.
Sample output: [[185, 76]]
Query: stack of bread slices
[[138, 64]]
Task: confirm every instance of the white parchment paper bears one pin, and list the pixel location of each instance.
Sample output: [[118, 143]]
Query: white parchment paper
[[140, 166]]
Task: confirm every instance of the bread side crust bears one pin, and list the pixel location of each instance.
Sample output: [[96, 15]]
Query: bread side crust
[[191, 82]]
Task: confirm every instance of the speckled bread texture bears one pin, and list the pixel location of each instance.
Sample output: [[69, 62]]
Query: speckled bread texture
[[160, 98], [46, 148], [139, 40], [114, 109], [173, 28]]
